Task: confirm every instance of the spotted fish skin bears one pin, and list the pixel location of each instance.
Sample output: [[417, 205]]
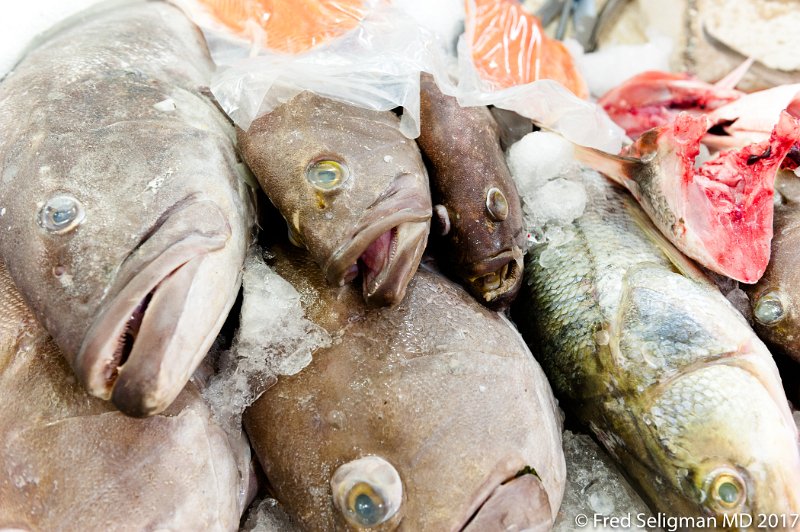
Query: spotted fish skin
[[480, 235], [662, 368]]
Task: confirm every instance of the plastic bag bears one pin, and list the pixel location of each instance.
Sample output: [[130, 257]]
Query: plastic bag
[[377, 66], [546, 101]]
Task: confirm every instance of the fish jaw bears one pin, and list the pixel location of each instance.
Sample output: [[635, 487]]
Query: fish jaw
[[653, 99], [496, 281], [387, 244], [521, 502], [163, 312]]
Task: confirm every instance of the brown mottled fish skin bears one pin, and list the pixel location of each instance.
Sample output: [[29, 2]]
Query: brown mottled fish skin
[[775, 299], [482, 249], [108, 111], [439, 386], [70, 460], [386, 191]]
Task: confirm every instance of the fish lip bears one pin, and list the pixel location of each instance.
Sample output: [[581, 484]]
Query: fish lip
[[96, 361], [397, 208], [506, 473], [503, 295]]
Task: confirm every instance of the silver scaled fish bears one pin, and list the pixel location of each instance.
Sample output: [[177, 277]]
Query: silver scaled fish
[[662, 368]]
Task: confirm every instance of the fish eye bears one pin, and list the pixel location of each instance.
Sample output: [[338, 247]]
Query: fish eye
[[769, 309], [727, 491], [61, 213], [367, 491], [327, 174], [496, 204]]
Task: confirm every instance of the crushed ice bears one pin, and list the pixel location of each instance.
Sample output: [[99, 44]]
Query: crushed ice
[[549, 183], [274, 338], [594, 486]]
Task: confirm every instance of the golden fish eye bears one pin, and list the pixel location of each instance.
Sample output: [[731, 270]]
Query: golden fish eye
[[496, 204], [327, 175], [769, 309], [728, 491], [365, 505], [61, 213], [367, 491]]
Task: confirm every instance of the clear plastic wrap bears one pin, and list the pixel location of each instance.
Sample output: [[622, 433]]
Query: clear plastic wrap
[[377, 65]]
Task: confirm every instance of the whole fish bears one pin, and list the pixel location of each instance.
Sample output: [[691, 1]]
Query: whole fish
[[352, 188], [477, 208], [661, 367], [775, 299], [71, 461], [718, 213], [431, 415], [123, 211]]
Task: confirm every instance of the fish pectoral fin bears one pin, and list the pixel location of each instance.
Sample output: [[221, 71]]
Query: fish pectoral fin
[[682, 264], [442, 218], [622, 170]]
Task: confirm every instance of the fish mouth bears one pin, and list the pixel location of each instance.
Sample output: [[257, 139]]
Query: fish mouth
[[386, 246], [510, 502], [497, 280], [162, 314]]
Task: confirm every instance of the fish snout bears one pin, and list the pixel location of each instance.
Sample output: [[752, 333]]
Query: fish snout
[[164, 309]]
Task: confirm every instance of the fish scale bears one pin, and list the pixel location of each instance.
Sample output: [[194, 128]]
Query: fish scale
[[633, 347]]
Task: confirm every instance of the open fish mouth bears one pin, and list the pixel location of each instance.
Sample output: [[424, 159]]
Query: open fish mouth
[[386, 246], [497, 280], [154, 329], [516, 501]]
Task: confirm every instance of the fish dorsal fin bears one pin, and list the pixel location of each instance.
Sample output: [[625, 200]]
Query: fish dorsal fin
[[679, 261]]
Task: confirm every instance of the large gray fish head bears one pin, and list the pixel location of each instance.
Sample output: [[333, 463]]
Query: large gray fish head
[[124, 216], [353, 190], [737, 458], [431, 415]]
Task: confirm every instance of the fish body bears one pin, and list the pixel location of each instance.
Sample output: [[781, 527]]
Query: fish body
[[661, 367], [775, 299], [509, 47], [718, 213], [353, 190], [70, 460], [477, 205], [441, 389], [123, 211]]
